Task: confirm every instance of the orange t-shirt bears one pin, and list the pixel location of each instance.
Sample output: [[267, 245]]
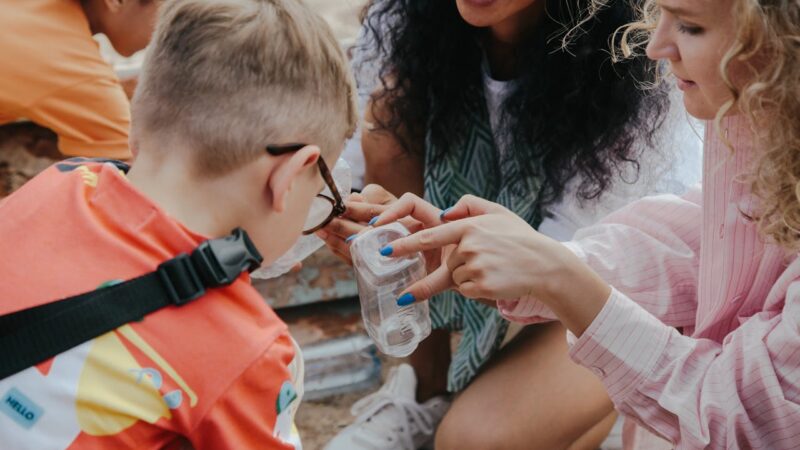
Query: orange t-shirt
[[220, 372], [53, 74]]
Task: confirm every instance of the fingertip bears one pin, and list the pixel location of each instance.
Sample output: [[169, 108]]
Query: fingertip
[[387, 251], [406, 299], [444, 213], [350, 238], [373, 220]]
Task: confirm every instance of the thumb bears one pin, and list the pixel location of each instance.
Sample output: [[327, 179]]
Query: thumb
[[470, 206], [437, 281]]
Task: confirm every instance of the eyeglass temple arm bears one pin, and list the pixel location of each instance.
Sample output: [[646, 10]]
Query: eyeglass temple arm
[[277, 150], [328, 177]]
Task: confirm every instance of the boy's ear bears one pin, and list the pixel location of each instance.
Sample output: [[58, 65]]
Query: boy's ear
[[285, 172]]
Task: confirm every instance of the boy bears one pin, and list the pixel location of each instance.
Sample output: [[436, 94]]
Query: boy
[[53, 73], [223, 80]]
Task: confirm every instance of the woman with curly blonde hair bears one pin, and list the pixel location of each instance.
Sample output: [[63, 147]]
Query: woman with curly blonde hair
[[687, 308], [761, 73]]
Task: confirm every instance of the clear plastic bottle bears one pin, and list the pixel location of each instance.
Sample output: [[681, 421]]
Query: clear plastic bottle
[[340, 365], [396, 330]]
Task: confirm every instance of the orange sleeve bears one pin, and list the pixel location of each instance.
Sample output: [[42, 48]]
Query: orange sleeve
[[91, 118], [257, 410]]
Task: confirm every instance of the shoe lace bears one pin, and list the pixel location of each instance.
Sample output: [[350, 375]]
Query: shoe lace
[[413, 414]]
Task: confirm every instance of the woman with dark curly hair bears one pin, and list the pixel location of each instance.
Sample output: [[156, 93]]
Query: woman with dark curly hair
[[481, 97]]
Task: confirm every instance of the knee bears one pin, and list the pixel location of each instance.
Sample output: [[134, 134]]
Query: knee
[[462, 432]]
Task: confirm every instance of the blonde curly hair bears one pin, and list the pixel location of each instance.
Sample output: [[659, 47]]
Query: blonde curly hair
[[767, 46]]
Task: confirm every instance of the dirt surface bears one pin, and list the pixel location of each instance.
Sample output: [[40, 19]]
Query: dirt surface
[[318, 421]]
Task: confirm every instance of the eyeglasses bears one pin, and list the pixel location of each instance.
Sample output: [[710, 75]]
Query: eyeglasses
[[324, 208]]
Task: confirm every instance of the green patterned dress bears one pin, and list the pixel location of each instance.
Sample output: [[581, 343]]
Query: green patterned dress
[[474, 165]]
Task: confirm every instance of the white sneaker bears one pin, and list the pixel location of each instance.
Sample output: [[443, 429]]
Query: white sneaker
[[391, 418]]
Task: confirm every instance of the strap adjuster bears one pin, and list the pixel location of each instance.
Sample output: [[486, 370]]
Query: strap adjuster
[[214, 263], [180, 279], [221, 261]]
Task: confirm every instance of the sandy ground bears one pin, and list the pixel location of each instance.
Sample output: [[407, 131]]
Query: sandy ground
[[318, 421]]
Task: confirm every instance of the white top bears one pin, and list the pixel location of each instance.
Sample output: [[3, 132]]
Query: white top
[[496, 92]]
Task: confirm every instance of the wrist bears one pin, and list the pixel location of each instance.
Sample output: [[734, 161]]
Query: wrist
[[577, 295]]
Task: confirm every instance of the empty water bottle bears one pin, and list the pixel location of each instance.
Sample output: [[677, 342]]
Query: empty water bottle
[[396, 330], [341, 365]]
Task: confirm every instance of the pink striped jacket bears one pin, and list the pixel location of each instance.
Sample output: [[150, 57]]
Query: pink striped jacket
[[699, 341]]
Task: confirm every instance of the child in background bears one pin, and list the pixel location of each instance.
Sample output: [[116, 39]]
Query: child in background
[[53, 73], [223, 80], [697, 342]]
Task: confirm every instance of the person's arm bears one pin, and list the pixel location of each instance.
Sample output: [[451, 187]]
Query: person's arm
[[388, 164], [91, 118], [697, 393], [257, 409], [648, 250]]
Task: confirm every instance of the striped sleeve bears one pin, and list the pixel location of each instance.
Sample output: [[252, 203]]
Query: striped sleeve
[[648, 250], [697, 393]]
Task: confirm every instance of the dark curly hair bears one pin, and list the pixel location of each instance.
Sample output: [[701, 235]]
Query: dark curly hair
[[572, 112]]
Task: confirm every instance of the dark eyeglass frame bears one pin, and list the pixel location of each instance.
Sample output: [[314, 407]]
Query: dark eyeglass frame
[[337, 202]]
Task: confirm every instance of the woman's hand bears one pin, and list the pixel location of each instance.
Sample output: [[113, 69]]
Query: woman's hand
[[496, 254], [493, 254]]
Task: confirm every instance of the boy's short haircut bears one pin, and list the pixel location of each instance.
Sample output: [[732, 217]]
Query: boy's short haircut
[[228, 77]]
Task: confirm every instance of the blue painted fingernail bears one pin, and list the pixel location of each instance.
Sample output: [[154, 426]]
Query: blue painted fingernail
[[386, 251], [374, 219], [441, 215], [350, 238], [406, 299]]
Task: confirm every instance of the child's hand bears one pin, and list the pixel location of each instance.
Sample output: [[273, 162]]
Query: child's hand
[[493, 254]]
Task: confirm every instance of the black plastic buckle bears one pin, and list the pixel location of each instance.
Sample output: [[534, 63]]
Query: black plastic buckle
[[180, 279], [220, 261]]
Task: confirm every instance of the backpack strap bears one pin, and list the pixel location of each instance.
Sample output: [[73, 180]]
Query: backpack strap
[[31, 336]]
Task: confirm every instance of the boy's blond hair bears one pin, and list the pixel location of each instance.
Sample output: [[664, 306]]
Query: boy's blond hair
[[228, 77]]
